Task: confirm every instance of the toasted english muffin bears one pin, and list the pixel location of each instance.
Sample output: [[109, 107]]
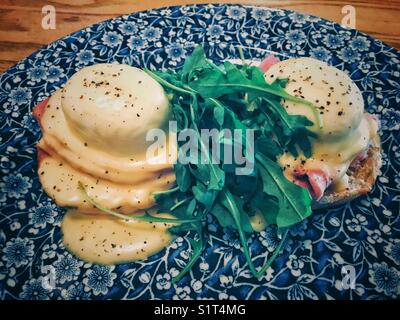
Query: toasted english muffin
[[361, 180]]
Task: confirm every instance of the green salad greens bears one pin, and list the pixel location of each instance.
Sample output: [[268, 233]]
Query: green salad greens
[[204, 95]]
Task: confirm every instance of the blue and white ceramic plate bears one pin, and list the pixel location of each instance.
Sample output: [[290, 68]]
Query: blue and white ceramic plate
[[351, 252]]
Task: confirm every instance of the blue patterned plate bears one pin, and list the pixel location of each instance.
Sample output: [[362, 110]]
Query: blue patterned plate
[[351, 252]]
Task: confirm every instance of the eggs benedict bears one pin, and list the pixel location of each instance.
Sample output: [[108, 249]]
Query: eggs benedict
[[346, 157], [94, 133]]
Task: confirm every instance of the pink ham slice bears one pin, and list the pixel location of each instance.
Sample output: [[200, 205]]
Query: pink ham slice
[[37, 113], [39, 109], [41, 154], [314, 180], [268, 62]]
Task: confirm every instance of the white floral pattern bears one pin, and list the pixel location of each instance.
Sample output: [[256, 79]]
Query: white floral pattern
[[363, 234]]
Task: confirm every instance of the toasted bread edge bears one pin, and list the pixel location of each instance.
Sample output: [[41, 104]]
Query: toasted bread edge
[[361, 180]]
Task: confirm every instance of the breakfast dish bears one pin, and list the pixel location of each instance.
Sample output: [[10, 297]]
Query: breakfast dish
[[199, 233], [94, 153]]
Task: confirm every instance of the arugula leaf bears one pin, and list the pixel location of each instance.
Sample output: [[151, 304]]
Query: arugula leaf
[[183, 177], [219, 113], [144, 217], [214, 84], [228, 201], [267, 206], [268, 147], [179, 115], [294, 201], [222, 215], [198, 247], [194, 63], [204, 195]]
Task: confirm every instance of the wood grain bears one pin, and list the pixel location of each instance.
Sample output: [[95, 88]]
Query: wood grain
[[21, 32]]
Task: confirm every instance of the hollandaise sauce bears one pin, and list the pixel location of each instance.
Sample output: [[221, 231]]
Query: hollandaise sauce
[[104, 239]]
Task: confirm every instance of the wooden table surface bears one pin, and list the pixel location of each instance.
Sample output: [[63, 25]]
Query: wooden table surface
[[21, 32]]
